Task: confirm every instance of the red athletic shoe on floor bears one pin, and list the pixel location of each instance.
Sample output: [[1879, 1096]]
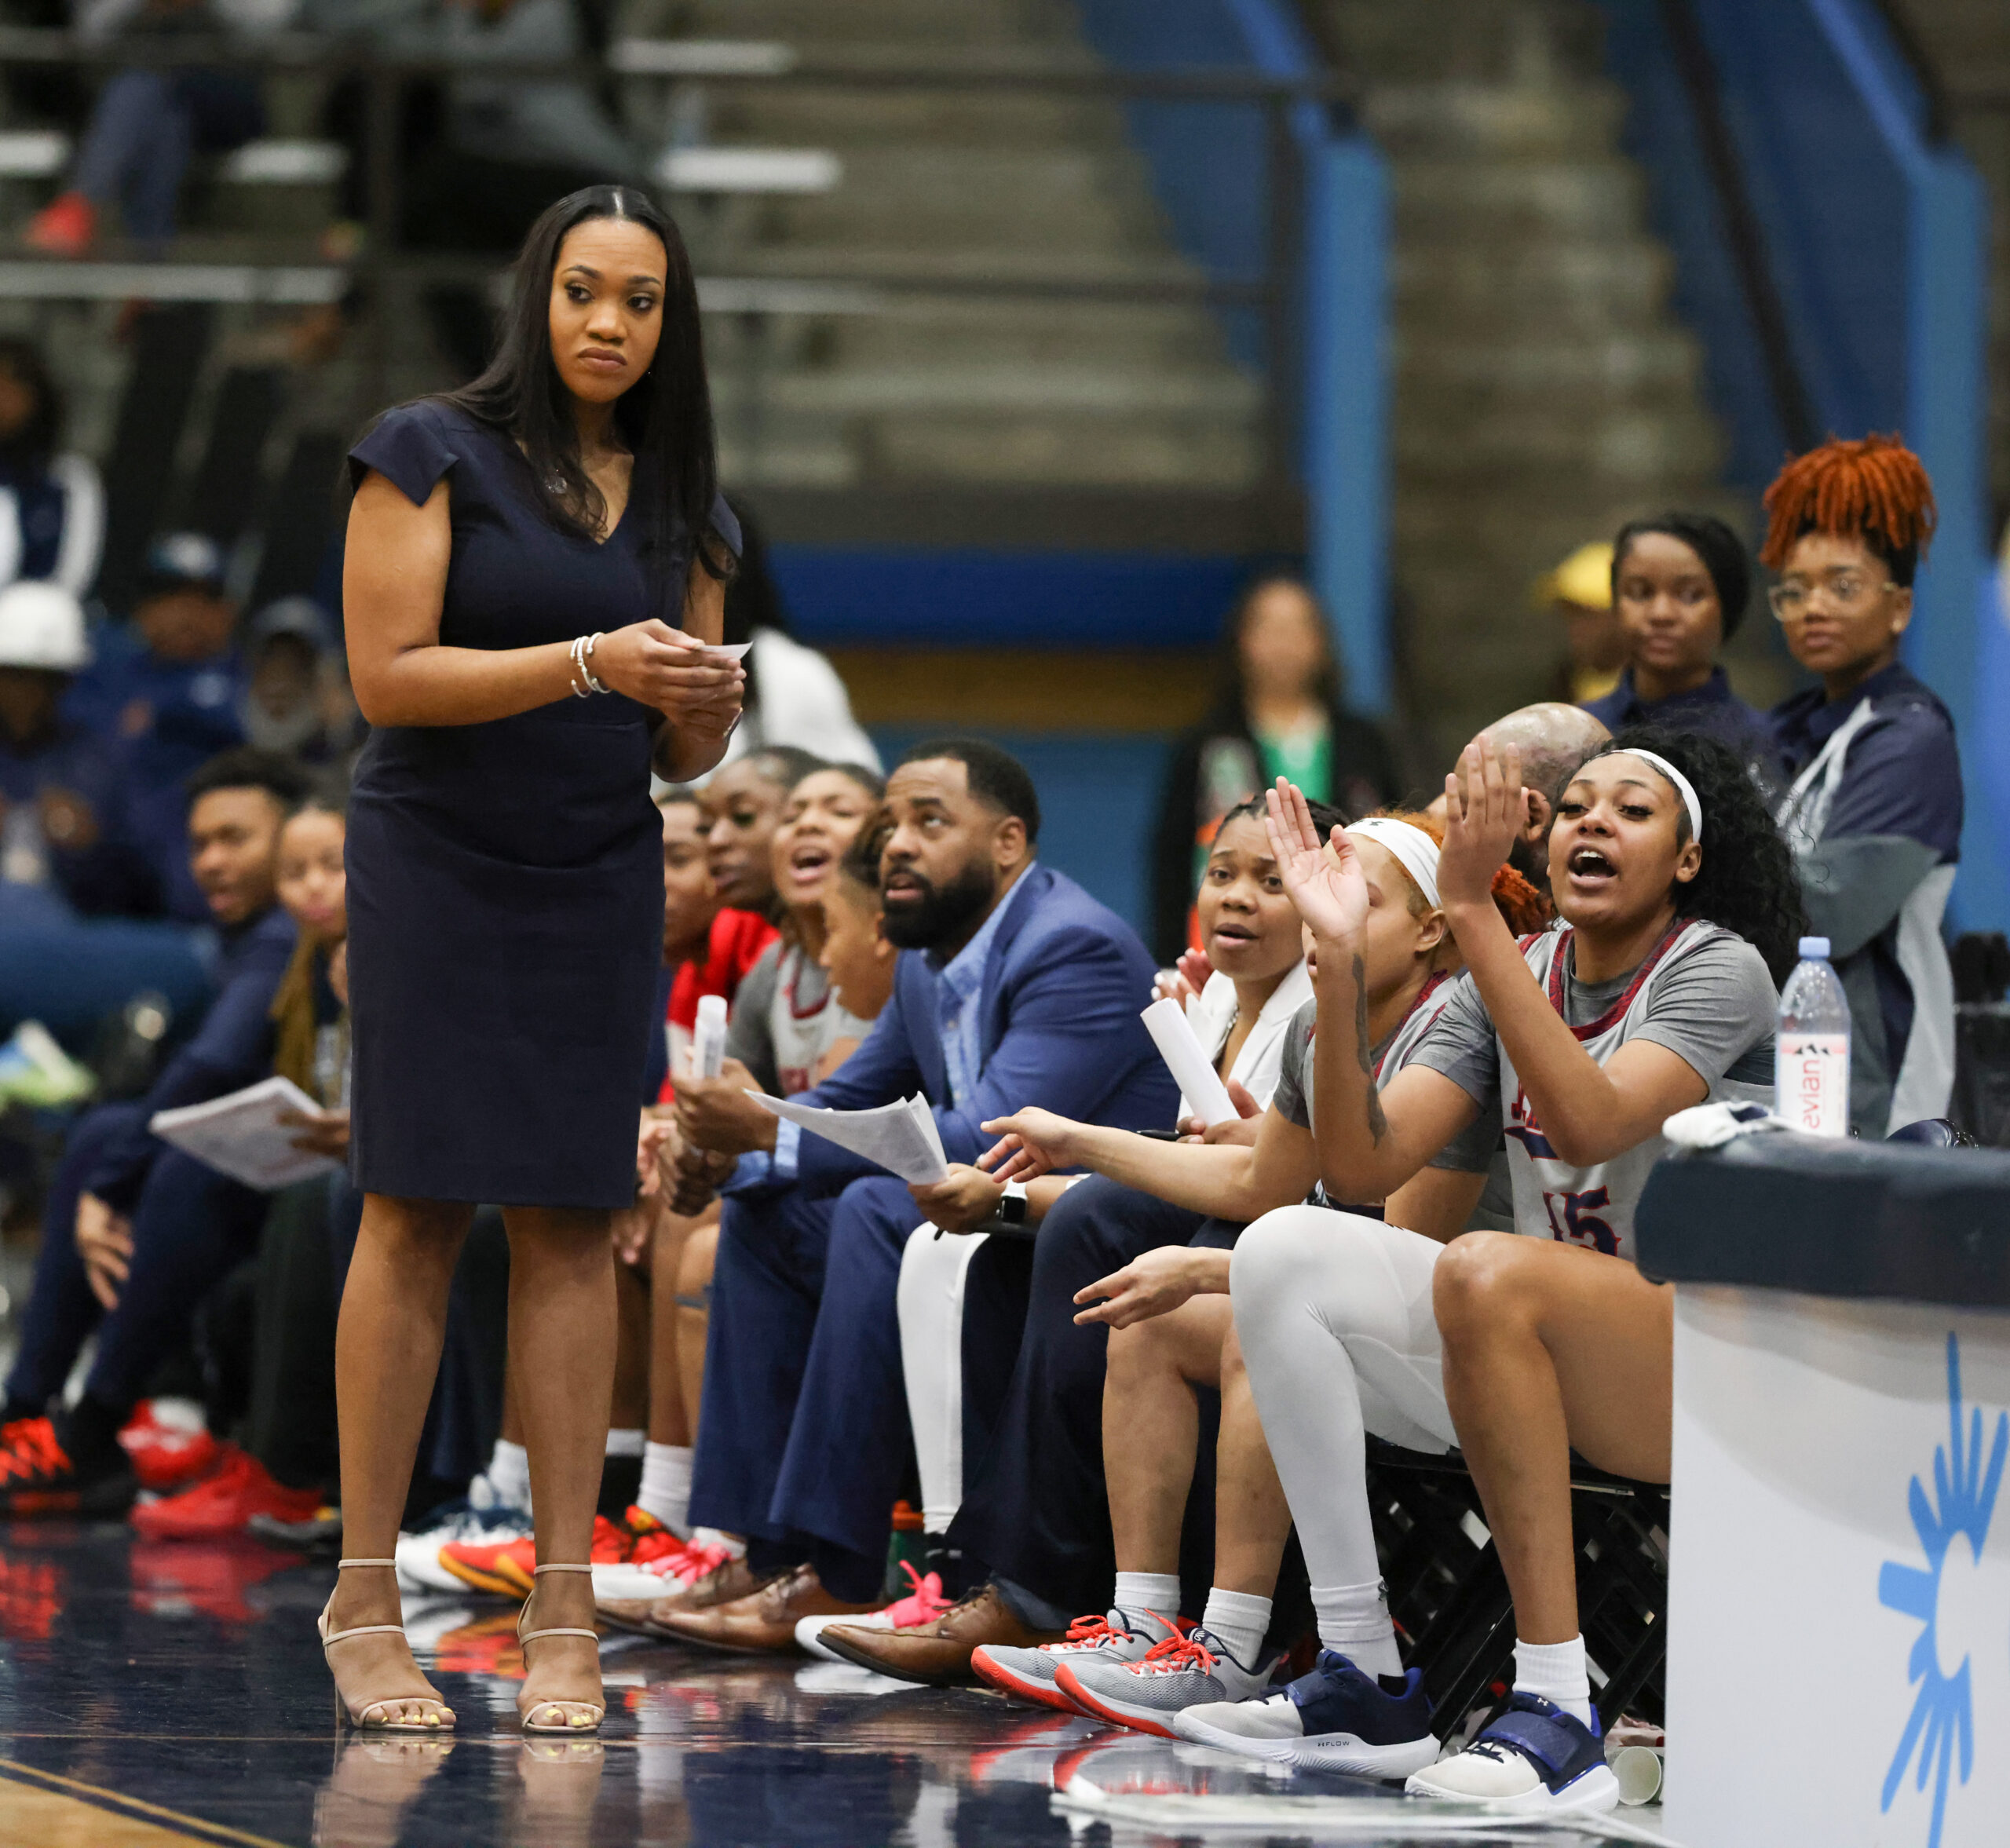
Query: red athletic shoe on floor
[[223, 1502], [66, 226], [166, 1453], [501, 1567]]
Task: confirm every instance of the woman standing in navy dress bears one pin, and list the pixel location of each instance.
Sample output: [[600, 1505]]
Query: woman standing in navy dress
[[535, 564]]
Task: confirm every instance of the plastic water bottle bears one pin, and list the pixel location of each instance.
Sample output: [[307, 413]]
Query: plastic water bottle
[[1811, 1058]]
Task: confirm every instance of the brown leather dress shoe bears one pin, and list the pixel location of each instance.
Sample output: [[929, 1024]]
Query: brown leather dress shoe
[[763, 1623], [937, 1654], [723, 1584]]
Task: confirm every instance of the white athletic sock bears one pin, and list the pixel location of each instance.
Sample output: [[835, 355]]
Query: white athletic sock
[[1556, 1671], [665, 1490], [1155, 1592], [1354, 1622], [1240, 1619], [509, 1472], [626, 1443]]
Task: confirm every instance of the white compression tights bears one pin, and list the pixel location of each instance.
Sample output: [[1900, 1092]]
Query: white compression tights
[[1333, 1311], [930, 1301]]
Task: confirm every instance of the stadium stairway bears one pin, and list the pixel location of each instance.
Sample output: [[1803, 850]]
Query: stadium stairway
[[1545, 391]]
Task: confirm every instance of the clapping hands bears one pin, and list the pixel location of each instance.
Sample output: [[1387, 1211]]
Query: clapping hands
[[1484, 811], [1324, 877]]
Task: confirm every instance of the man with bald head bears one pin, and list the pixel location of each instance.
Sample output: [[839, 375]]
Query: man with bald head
[[1554, 739]]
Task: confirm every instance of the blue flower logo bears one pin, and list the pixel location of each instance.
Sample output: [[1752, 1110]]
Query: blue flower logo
[[1943, 1716]]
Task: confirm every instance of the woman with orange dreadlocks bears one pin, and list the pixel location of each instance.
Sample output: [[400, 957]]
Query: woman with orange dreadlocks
[[1873, 813]]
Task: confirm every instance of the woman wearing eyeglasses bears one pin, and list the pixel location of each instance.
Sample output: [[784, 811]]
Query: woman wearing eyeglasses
[[1873, 807]]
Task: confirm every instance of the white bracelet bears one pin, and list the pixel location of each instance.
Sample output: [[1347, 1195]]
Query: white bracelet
[[579, 691], [587, 666]]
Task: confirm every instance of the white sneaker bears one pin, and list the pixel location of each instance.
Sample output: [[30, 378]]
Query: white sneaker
[[1121, 1636], [1191, 1670], [417, 1554], [1534, 1759]]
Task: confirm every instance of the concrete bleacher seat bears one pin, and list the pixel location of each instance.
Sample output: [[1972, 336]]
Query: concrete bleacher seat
[[749, 170], [42, 154]]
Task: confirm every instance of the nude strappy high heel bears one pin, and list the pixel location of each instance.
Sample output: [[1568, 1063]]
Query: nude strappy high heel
[[577, 1716], [441, 1716]]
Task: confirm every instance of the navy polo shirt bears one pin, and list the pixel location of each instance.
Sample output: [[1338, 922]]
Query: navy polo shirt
[[1712, 710]]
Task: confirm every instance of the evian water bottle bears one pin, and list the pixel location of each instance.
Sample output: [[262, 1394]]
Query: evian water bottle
[[1811, 1060]]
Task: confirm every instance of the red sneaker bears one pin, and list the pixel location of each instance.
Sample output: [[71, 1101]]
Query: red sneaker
[[223, 1502], [648, 1538], [166, 1455], [502, 1567], [36, 1477], [66, 226]]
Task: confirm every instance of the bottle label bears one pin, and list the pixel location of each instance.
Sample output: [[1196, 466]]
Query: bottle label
[[1811, 1082]]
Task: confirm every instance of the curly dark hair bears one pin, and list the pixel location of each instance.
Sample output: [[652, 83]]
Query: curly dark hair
[[1748, 883]]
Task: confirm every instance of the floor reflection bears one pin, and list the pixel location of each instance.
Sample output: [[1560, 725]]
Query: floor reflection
[[188, 1677]]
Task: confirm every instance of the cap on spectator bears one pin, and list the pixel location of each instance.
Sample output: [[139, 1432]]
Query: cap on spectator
[[42, 624], [300, 617], [177, 560], [1584, 579]]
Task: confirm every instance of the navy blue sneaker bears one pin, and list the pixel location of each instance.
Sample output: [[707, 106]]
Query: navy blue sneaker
[[1534, 1757], [1336, 1718]]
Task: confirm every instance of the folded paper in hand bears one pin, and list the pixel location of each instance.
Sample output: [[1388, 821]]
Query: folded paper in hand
[[901, 1138], [241, 1135]]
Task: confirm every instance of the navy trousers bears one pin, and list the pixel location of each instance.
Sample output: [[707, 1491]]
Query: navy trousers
[[1036, 1508], [191, 1225]]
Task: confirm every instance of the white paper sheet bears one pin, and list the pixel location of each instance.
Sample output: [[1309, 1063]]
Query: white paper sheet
[[241, 1135], [1207, 1097], [901, 1137]]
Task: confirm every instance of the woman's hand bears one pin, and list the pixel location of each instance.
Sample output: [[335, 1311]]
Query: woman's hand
[[1042, 1142], [322, 1132], [105, 1242], [967, 1199], [655, 1135], [1185, 981], [1240, 1128], [1324, 879], [1484, 811], [631, 1228], [661, 667], [1150, 1284]]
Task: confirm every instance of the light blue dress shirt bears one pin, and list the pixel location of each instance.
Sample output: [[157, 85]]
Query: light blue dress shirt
[[958, 1019]]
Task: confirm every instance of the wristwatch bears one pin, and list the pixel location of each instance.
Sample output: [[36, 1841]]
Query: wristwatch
[[1011, 1209]]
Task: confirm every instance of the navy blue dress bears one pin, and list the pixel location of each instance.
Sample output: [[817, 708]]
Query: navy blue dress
[[506, 879]]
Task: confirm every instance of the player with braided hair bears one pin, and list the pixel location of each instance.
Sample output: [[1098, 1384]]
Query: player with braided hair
[[1873, 809]]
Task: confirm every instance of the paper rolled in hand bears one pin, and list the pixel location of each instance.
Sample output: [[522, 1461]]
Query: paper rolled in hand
[[1206, 1095], [708, 1038]]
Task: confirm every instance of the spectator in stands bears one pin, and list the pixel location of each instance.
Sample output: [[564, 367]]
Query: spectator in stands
[[166, 697], [1278, 714], [1873, 813], [135, 1231], [52, 503], [794, 694], [1681, 911], [1579, 592], [293, 698], [310, 1047], [143, 128], [1680, 583], [1017, 984], [65, 846]]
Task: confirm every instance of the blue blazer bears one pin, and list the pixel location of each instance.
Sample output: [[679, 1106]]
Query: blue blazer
[[1063, 984]]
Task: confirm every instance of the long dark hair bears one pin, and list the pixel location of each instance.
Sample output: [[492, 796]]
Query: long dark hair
[[1231, 710], [1747, 882], [665, 417], [34, 442]]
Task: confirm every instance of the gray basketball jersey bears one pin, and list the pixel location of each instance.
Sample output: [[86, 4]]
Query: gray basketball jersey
[[1593, 1206]]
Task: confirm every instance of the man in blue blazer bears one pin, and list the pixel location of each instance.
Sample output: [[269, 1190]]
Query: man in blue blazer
[[1014, 986]]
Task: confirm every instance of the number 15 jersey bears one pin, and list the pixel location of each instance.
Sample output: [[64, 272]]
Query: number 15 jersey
[[1703, 993]]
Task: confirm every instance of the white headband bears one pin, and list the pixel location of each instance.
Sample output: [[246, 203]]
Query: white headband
[[1683, 787], [1415, 849]]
